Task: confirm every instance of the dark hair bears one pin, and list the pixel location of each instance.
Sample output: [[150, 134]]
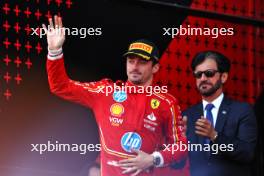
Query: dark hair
[[223, 63], [154, 62]]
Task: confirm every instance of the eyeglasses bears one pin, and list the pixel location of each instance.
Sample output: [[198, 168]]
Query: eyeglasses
[[207, 73]]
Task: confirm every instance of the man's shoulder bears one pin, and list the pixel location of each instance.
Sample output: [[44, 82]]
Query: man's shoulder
[[104, 81], [94, 84], [236, 104], [166, 97], [238, 110]]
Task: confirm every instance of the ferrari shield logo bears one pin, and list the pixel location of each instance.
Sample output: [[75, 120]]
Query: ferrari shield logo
[[154, 103]]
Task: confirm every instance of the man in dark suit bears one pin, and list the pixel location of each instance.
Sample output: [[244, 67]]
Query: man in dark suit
[[226, 129]]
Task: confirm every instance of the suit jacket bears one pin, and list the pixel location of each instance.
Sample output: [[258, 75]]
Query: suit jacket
[[236, 125]]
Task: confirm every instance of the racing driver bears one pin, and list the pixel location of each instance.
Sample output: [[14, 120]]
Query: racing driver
[[138, 133]]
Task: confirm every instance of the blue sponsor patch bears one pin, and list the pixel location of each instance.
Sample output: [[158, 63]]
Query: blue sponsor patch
[[131, 140], [119, 96]]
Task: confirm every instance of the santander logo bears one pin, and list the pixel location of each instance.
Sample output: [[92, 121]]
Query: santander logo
[[152, 117]]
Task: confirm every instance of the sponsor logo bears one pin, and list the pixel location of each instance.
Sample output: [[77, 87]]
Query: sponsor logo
[[115, 121], [119, 96], [141, 46], [152, 117], [150, 122], [154, 103], [151, 128], [117, 109], [131, 140]]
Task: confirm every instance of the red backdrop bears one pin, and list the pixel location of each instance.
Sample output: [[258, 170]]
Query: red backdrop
[[245, 50]]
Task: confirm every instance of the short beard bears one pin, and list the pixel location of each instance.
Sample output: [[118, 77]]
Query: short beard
[[212, 90], [140, 81], [137, 82]]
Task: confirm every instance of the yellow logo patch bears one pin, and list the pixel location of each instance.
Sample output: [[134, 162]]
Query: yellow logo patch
[[141, 46], [117, 109], [154, 103]]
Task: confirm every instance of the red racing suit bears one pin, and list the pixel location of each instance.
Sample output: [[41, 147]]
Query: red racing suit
[[125, 121]]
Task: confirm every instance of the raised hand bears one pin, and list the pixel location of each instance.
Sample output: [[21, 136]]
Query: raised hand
[[55, 34]]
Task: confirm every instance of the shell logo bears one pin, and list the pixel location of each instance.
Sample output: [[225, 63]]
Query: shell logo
[[117, 109]]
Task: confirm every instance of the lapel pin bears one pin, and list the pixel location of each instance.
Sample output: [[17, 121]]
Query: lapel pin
[[224, 112]]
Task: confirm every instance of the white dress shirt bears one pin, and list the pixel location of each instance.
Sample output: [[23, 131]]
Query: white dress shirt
[[217, 102]]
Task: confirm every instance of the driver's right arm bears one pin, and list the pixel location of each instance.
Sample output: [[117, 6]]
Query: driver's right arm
[[59, 82]]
